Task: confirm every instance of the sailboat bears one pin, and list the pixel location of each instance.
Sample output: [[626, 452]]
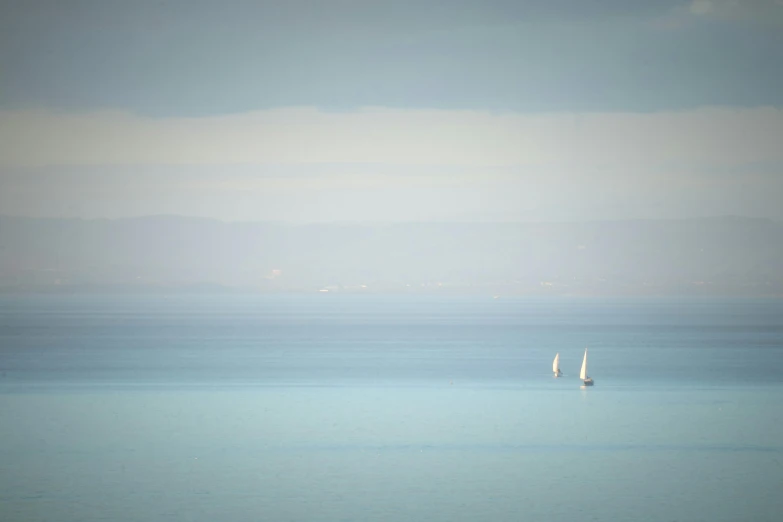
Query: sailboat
[[587, 381], [556, 365]]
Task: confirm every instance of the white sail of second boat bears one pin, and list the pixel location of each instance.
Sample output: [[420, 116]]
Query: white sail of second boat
[[556, 365], [587, 381]]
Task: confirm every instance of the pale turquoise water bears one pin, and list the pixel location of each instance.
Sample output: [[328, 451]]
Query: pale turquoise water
[[295, 408]]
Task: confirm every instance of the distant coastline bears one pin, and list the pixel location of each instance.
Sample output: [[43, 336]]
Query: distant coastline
[[705, 257]]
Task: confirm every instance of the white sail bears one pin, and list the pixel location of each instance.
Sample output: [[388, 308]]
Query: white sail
[[583, 373], [556, 363]]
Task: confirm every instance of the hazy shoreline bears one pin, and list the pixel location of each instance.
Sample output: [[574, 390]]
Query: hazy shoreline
[[720, 257]]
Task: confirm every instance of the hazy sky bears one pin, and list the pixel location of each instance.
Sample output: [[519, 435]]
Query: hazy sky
[[365, 110]]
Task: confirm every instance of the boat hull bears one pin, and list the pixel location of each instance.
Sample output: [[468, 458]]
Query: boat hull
[[587, 382]]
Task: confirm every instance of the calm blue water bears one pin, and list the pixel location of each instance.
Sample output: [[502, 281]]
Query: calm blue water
[[337, 408]]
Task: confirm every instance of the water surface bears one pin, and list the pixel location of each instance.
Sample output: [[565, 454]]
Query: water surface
[[389, 408]]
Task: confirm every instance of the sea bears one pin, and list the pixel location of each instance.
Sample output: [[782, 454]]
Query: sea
[[331, 407]]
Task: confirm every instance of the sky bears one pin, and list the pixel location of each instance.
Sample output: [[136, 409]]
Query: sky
[[362, 110]]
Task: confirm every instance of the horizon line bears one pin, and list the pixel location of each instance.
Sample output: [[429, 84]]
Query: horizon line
[[714, 217]]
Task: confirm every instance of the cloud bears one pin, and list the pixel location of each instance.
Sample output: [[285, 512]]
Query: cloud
[[713, 137], [762, 11], [303, 165], [701, 7]]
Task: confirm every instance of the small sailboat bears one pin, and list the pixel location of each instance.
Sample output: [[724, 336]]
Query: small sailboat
[[587, 381], [556, 365]]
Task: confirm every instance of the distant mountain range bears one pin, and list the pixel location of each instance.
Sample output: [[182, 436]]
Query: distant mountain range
[[715, 256]]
